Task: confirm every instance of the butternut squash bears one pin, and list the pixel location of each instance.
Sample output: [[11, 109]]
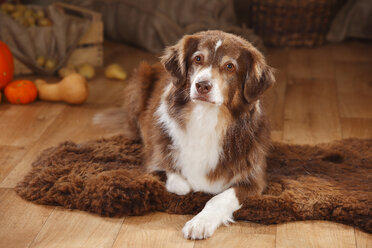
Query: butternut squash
[[72, 89]]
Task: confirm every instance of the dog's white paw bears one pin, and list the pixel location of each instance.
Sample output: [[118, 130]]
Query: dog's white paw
[[176, 184], [202, 226], [218, 210]]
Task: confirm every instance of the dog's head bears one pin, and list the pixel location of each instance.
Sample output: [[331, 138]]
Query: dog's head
[[218, 68]]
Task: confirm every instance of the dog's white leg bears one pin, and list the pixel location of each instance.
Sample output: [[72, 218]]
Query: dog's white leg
[[177, 184], [217, 211]]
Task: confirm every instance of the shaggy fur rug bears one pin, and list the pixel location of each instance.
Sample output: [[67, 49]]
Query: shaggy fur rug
[[324, 182]]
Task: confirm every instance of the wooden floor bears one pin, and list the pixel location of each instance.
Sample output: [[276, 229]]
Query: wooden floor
[[322, 94]]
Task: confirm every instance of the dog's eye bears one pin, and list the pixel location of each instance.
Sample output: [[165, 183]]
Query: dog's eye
[[230, 67], [198, 59]]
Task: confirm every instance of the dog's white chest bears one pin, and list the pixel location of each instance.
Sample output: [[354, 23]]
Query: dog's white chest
[[197, 147]]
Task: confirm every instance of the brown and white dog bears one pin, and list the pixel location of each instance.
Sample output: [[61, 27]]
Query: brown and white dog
[[200, 118]]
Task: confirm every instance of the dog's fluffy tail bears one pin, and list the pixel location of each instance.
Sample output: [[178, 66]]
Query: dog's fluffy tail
[[113, 118], [135, 97]]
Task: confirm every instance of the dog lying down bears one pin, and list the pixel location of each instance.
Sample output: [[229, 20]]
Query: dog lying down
[[199, 115]]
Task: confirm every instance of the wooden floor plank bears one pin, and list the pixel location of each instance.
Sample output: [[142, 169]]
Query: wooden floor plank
[[241, 234], [10, 156], [352, 51], [237, 240], [25, 123], [311, 112], [354, 89], [77, 229], [153, 230], [310, 63], [315, 234], [363, 240], [74, 123], [20, 221], [356, 127], [246, 227], [23, 166]]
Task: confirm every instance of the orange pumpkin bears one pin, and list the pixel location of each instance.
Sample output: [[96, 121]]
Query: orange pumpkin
[[6, 65], [21, 92]]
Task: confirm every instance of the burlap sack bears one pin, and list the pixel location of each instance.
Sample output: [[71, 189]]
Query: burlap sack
[[56, 42]]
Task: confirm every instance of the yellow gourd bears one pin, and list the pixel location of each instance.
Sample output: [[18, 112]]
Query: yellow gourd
[[86, 70], [72, 89], [115, 71]]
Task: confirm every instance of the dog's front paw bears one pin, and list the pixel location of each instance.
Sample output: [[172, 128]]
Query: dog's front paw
[[202, 226], [176, 184]]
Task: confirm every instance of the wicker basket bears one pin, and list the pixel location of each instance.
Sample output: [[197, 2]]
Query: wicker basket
[[292, 22]]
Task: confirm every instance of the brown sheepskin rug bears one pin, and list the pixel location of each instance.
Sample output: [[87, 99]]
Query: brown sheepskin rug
[[323, 182]]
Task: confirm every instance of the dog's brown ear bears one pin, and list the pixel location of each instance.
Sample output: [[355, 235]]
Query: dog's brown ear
[[175, 58], [259, 77]]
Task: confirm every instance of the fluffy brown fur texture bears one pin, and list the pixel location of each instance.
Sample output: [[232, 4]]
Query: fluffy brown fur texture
[[323, 182]]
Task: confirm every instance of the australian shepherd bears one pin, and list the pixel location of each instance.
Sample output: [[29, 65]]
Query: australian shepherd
[[199, 115]]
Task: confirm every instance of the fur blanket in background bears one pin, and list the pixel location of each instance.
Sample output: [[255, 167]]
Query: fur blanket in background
[[323, 182]]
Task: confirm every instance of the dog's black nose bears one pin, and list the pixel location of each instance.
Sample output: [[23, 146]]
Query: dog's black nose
[[203, 87]]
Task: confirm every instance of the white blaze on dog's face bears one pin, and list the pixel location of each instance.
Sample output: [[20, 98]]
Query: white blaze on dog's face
[[211, 72]]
